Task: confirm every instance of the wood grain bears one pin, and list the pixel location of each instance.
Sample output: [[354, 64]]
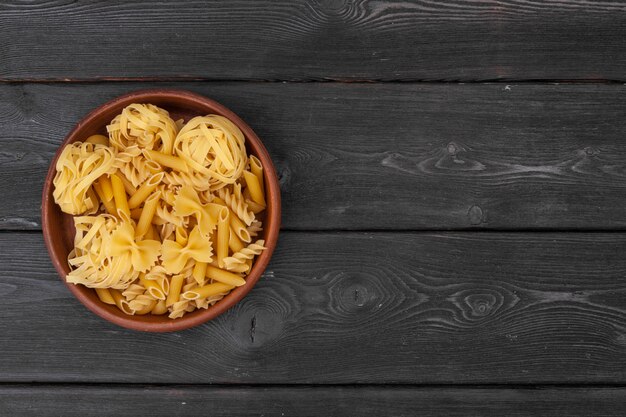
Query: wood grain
[[313, 40], [121, 401], [418, 308], [390, 156]]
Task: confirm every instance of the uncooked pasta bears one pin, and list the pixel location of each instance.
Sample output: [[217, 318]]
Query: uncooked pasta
[[166, 212]]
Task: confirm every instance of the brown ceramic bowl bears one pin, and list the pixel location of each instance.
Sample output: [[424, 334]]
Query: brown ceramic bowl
[[58, 227]]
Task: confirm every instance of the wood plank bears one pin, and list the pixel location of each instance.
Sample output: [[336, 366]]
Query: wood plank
[[414, 308], [84, 401], [427, 156], [304, 40]]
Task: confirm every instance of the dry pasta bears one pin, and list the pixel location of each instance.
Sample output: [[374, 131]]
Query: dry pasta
[[237, 262], [164, 211]]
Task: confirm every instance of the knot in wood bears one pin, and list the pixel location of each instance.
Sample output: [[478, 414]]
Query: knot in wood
[[475, 215]]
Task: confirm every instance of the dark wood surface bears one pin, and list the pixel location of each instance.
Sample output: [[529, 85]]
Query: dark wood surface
[[400, 401], [453, 185], [313, 40], [428, 156], [423, 308]]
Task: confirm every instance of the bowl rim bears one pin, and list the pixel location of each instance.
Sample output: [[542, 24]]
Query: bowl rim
[[272, 222]]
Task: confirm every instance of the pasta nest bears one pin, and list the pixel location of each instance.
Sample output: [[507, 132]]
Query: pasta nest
[[93, 263], [214, 149], [144, 125], [78, 166]]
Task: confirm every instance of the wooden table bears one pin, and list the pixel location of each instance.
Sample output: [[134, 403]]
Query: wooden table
[[453, 184]]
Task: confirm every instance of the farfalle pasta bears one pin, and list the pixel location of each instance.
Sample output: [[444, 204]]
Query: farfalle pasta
[[166, 213]]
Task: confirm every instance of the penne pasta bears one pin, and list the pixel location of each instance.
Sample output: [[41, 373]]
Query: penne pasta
[[98, 139], [109, 205], [256, 192], [120, 302], [119, 195], [207, 291], [145, 190], [147, 308], [257, 170], [176, 284], [147, 214], [254, 207], [225, 277], [223, 231], [199, 272], [152, 287], [105, 296], [234, 243], [107, 189], [159, 308], [165, 160], [135, 213], [128, 186], [237, 225]]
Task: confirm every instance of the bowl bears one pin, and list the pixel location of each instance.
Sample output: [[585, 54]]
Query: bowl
[[58, 227]]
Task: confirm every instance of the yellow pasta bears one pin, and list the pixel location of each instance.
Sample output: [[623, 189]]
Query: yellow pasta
[[105, 295], [169, 161], [147, 214], [256, 192], [109, 205], [175, 256], [187, 203], [175, 286], [234, 243], [145, 190], [255, 228], [152, 287], [92, 265], [78, 167], [98, 139], [237, 206], [133, 291], [136, 171], [164, 211], [254, 207], [223, 231], [144, 125], [159, 275], [237, 225], [214, 149], [226, 277], [238, 261], [142, 254], [119, 195], [257, 170], [181, 235], [159, 308], [128, 186], [207, 291], [142, 304], [199, 272], [107, 189], [121, 303]]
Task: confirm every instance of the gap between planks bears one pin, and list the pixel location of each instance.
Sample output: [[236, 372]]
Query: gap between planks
[[104, 80]]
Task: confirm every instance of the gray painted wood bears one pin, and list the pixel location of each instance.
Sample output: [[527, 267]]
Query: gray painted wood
[[76, 400], [381, 156], [420, 308], [304, 40]]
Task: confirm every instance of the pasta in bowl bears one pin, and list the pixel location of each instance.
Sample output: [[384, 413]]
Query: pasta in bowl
[[161, 210]]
